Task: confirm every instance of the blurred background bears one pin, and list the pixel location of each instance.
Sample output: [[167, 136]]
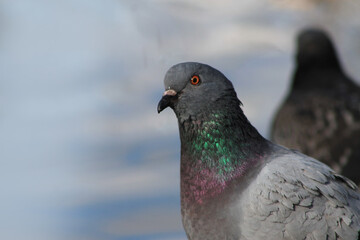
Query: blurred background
[[84, 154]]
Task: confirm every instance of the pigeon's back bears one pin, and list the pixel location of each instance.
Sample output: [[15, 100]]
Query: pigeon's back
[[321, 115], [297, 197], [324, 127]]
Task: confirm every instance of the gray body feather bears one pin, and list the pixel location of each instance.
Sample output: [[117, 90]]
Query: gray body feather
[[297, 197]]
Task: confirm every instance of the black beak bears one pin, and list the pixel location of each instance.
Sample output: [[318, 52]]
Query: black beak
[[167, 100]]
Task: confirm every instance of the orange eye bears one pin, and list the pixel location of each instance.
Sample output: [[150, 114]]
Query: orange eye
[[195, 80]]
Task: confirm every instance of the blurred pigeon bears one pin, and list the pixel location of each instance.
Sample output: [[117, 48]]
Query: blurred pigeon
[[321, 115], [237, 185]]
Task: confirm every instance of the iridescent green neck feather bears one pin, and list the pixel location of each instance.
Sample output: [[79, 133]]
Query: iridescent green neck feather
[[211, 142], [216, 148]]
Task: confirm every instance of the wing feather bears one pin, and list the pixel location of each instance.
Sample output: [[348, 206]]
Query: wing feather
[[297, 196]]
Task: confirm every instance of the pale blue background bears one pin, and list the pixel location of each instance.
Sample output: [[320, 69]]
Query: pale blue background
[[84, 154]]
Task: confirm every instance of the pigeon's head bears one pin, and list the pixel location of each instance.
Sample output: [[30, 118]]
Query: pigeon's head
[[191, 89], [315, 49]]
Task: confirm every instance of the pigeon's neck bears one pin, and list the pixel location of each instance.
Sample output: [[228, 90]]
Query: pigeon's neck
[[310, 72], [217, 148]]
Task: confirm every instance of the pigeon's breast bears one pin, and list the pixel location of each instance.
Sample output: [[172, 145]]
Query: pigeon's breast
[[213, 218]]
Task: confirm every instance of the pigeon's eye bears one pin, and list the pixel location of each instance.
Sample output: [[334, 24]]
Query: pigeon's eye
[[195, 80]]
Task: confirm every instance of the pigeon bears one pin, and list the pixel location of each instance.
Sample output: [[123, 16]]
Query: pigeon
[[235, 184], [320, 117]]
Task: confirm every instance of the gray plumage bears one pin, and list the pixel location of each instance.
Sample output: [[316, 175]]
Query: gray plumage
[[237, 185], [297, 197], [321, 114]]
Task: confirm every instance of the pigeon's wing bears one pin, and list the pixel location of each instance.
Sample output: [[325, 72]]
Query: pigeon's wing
[[325, 127], [295, 196]]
